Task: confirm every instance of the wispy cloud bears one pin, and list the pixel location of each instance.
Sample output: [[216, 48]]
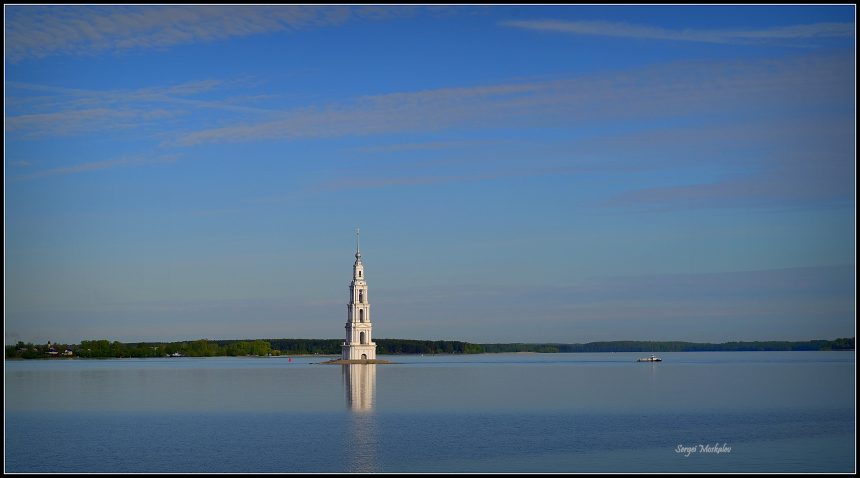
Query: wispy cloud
[[19, 163], [626, 30], [754, 163], [82, 121], [40, 31], [697, 306], [767, 285], [429, 146], [97, 166], [430, 109], [816, 177], [352, 182], [59, 111], [217, 212], [657, 92]]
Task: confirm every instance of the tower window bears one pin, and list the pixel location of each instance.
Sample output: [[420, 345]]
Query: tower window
[[361, 296], [359, 273], [363, 338], [361, 315]]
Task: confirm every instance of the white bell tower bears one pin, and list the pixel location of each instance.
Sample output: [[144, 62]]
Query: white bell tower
[[359, 344]]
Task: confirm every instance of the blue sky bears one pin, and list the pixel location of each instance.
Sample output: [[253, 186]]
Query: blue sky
[[519, 173]]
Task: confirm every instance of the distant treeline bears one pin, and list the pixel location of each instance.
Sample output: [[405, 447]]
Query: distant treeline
[[115, 349], [641, 346], [383, 346], [266, 347]]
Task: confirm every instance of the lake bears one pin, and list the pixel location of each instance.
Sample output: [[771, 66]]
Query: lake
[[693, 412]]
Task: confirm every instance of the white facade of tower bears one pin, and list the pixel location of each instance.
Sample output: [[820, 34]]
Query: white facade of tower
[[359, 343]]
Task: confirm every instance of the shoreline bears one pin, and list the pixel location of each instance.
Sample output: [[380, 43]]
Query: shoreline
[[355, 362], [382, 361]]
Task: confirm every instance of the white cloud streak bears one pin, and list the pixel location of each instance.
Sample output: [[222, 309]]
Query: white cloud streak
[[83, 121], [813, 164], [372, 183], [41, 31], [97, 166], [643, 32], [60, 111], [653, 93], [660, 306], [436, 145]]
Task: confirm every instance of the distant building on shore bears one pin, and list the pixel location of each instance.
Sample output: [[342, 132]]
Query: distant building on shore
[[359, 344]]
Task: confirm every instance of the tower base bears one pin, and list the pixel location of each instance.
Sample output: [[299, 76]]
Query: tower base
[[359, 352]]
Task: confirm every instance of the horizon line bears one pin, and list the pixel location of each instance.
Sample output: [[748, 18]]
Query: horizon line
[[452, 340]]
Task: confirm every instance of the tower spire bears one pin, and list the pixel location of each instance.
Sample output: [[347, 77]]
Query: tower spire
[[357, 243]]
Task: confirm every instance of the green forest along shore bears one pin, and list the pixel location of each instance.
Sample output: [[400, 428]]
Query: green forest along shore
[[275, 347]]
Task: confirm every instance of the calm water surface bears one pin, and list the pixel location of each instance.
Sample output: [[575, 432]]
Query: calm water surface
[[765, 411]]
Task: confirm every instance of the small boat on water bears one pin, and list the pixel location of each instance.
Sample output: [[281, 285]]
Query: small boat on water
[[652, 358]]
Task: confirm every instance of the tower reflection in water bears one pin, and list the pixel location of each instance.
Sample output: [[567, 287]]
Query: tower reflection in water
[[360, 390], [360, 386]]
